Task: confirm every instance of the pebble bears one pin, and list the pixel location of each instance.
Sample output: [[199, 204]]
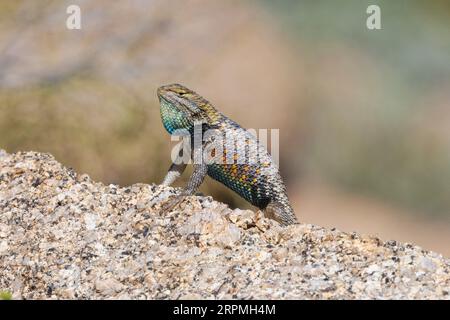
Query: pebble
[[108, 287]]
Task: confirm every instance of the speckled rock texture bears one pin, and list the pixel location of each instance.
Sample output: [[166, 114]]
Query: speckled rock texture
[[64, 236]]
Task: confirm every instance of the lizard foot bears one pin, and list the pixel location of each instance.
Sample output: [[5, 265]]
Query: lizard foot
[[171, 203], [281, 213]]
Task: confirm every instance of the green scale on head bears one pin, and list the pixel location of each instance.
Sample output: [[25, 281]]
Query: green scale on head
[[172, 118]]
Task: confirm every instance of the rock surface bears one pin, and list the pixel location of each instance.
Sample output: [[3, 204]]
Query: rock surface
[[63, 235]]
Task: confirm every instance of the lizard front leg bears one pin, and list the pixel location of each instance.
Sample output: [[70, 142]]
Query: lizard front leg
[[196, 179], [176, 169]]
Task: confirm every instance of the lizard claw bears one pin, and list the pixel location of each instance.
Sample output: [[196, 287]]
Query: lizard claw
[[170, 204]]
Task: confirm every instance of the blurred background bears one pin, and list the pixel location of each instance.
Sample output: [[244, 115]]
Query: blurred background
[[364, 115]]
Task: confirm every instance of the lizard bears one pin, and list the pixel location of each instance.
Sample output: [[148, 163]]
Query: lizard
[[257, 181]]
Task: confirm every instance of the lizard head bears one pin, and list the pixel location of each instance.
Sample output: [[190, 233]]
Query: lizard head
[[181, 107]]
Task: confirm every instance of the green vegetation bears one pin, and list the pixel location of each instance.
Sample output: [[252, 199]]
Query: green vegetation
[[5, 295]]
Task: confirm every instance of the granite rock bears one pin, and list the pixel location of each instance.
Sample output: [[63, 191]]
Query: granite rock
[[63, 235]]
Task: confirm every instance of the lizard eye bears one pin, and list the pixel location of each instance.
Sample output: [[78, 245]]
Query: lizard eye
[[179, 91]]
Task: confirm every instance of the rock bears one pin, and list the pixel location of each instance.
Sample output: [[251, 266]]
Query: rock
[[243, 218], [64, 236], [4, 230], [3, 153], [212, 228], [427, 264], [90, 220], [372, 269], [4, 247], [108, 287]]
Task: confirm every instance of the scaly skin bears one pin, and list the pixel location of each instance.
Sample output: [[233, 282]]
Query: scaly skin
[[231, 151]]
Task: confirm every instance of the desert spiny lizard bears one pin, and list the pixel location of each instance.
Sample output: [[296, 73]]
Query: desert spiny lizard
[[222, 149]]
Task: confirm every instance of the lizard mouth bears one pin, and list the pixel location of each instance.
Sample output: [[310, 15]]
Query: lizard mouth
[[160, 93], [167, 96]]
